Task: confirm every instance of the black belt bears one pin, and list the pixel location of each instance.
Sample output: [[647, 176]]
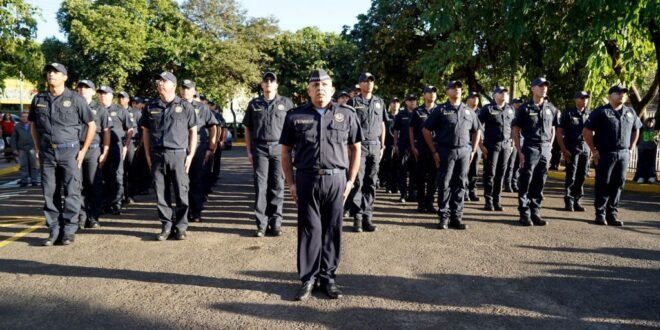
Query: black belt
[[66, 145], [324, 171], [371, 142], [163, 149], [94, 146], [270, 143]]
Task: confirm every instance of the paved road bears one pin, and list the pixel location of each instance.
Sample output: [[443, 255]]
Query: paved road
[[571, 274]]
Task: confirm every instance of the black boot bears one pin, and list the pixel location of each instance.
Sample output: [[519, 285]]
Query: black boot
[[368, 224], [357, 224]]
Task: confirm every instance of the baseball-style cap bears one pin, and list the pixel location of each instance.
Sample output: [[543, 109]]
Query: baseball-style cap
[[269, 74], [203, 97], [540, 81], [411, 97], [454, 83], [582, 95], [344, 93], [394, 99], [104, 89], [516, 101], [137, 99], [472, 94], [123, 94], [318, 75], [187, 83], [86, 83], [57, 67], [166, 75], [500, 89], [617, 89], [429, 88], [366, 77]]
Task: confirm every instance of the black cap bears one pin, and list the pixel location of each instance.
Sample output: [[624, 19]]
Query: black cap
[[137, 99], [187, 83], [500, 89], [366, 77], [344, 93], [540, 81], [86, 83], [429, 88], [617, 89], [203, 97], [472, 94], [582, 95], [454, 83], [318, 75], [411, 97], [123, 94], [394, 99], [104, 89], [57, 67], [166, 75], [516, 101], [269, 74]]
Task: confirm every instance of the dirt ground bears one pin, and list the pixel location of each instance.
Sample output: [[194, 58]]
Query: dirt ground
[[570, 274]]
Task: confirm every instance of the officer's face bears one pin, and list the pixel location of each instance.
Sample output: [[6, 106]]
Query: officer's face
[[455, 93], [473, 101], [269, 85], [105, 99], [320, 92], [501, 97], [430, 97], [123, 101], [55, 78], [86, 92], [342, 100], [540, 91], [367, 87], [394, 107], [164, 86], [411, 104], [617, 98], [581, 103], [187, 93], [24, 117]]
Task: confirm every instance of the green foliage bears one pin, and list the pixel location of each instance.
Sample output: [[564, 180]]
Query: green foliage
[[18, 52]]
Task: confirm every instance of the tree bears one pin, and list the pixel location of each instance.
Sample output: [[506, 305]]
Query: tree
[[18, 51]]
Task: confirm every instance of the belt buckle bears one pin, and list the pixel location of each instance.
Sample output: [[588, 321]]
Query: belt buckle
[[321, 171], [54, 146]]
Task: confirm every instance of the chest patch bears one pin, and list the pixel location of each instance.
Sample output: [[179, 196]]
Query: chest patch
[[66, 103], [114, 114], [339, 117], [280, 107], [178, 109]]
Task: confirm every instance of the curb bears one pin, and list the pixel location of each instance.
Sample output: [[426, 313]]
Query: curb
[[629, 186], [9, 170]]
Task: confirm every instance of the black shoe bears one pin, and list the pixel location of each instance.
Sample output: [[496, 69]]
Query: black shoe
[[93, 224], [332, 291], [181, 235], [526, 222], [577, 207], [499, 208], [402, 200], [68, 240], [347, 214], [22, 185], [357, 224], [34, 184], [431, 210], [508, 189], [196, 219], [538, 221], [473, 197], [458, 225], [614, 222], [489, 207], [50, 241], [568, 207], [412, 198], [115, 210], [163, 235], [260, 233], [305, 291], [444, 224], [601, 221], [368, 225], [421, 209], [276, 231]]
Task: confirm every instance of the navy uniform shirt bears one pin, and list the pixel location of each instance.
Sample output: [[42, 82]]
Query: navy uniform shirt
[[389, 129], [121, 122], [102, 122], [135, 115], [612, 128], [572, 121], [401, 124], [265, 119], [59, 119], [453, 125], [497, 123], [221, 120], [320, 142], [417, 120], [168, 123], [371, 114], [536, 122], [205, 120]]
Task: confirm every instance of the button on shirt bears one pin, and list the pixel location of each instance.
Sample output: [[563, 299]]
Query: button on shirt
[[496, 123], [205, 120], [419, 117], [612, 128], [453, 125], [401, 124], [536, 122], [102, 122], [371, 114], [572, 121], [265, 118], [59, 119], [320, 141], [168, 123], [121, 122]]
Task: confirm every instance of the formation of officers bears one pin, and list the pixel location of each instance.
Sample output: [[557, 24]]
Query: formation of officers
[[336, 148]]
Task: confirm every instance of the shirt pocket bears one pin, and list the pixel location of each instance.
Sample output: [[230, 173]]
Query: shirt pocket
[[339, 132], [306, 133], [68, 117]]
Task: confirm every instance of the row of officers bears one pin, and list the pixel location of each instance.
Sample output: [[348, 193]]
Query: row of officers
[[336, 150]]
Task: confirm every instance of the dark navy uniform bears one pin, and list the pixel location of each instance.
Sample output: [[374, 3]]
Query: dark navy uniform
[[572, 121], [497, 141], [265, 120], [406, 169], [536, 125], [59, 121], [217, 156], [371, 115], [321, 161], [473, 172], [612, 133], [387, 172], [453, 127], [113, 175], [92, 178], [168, 125], [199, 171], [425, 171], [129, 187]]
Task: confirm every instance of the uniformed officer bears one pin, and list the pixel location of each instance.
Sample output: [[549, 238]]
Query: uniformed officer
[[512, 167], [426, 171], [575, 151], [343, 98], [169, 135], [322, 133], [457, 135], [387, 173], [57, 117], [120, 137], [611, 132], [132, 182], [97, 154], [496, 146], [406, 162], [473, 172], [222, 137], [534, 121], [207, 133], [134, 114], [263, 122], [371, 112]]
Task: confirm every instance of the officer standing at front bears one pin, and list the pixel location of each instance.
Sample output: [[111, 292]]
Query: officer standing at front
[[457, 135], [406, 162], [534, 121], [473, 171], [322, 133], [425, 172], [496, 146], [207, 131], [57, 117], [263, 122], [611, 132], [371, 112], [575, 151], [169, 135]]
